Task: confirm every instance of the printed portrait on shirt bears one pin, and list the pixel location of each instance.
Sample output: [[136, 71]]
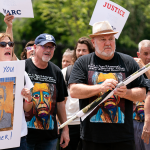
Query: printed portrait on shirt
[[43, 104], [138, 111], [6, 105], [112, 110]]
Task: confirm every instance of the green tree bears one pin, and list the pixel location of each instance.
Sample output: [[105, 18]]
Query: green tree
[[68, 20], [2, 24], [136, 27]]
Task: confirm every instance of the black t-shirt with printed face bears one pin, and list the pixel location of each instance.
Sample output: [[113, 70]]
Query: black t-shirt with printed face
[[138, 107], [49, 88], [111, 121]]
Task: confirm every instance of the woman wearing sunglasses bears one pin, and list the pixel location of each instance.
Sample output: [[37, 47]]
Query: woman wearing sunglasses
[[6, 54], [6, 48], [28, 51]]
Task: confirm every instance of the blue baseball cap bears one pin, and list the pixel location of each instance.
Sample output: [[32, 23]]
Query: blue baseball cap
[[44, 38]]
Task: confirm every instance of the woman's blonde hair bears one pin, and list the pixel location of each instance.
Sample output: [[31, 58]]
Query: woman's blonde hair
[[2, 35]]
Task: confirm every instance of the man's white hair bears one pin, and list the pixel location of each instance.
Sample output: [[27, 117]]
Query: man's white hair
[[143, 43]]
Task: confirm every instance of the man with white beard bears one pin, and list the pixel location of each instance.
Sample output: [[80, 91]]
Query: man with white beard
[[110, 125], [48, 94]]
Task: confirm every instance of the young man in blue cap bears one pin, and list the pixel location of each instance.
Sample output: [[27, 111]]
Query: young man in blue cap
[[48, 95]]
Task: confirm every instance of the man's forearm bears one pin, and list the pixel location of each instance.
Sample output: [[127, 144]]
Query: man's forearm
[[147, 107], [61, 112], [135, 94], [148, 74], [83, 91]]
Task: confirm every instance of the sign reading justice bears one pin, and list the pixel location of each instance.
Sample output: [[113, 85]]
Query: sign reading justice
[[116, 15]]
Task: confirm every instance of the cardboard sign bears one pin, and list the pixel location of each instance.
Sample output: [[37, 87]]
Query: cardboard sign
[[18, 8], [116, 15], [11, 102]]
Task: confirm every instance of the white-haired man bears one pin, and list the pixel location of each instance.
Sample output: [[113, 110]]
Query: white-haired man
[[48, 94], [110, 125], [140, 107]]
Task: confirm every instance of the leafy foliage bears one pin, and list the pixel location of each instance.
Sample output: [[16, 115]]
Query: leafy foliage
[[68, 20], [2, 24]]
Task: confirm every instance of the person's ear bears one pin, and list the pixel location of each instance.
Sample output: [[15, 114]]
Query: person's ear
[[92, 40], [138, 54], [34, 46]]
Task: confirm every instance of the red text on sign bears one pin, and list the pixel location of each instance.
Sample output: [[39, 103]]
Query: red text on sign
[[114, 8]]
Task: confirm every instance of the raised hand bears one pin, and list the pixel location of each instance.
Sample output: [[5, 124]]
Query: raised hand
[[8, 20]]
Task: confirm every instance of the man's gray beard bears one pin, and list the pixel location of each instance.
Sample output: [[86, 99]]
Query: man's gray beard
[[103, 53], [107, 55], [45, 60]]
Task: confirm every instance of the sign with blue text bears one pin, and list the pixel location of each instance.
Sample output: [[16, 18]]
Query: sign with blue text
[[116, 15], [11, 102], [18, 8]]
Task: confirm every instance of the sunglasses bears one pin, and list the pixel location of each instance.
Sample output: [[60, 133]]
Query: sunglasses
[[29, 48], [4, 44]]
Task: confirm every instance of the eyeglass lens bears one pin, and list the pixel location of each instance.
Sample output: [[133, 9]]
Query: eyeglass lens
[[28, 48], [4, 44], [50, 47]]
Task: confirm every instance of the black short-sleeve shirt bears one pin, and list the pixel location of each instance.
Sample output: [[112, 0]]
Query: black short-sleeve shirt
[[112, 121], [49, 88]]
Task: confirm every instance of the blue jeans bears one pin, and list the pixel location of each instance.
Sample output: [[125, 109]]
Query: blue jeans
[[139, 143], [23, 145], [47, 145]]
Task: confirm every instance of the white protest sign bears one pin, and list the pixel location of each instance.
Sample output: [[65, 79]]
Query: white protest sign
[[116, 15], [11, 102], [18, 8], [28, 84]]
